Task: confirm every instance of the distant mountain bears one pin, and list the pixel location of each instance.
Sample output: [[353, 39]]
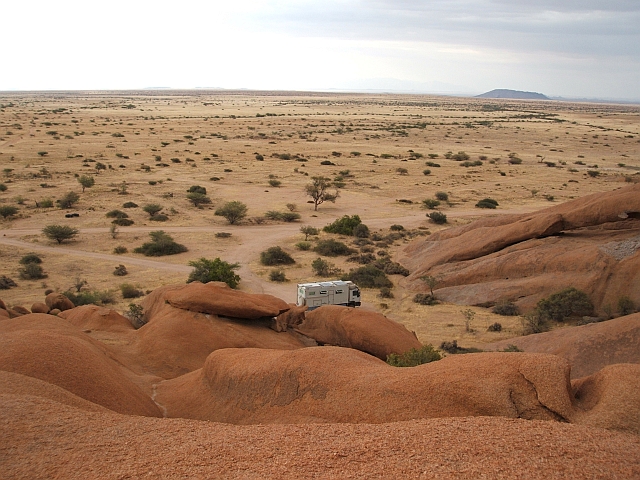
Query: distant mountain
[[513, 94]]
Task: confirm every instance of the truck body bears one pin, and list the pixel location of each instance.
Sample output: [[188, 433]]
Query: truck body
[[335, 292]]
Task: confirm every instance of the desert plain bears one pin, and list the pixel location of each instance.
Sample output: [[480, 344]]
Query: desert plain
[[385, 155]]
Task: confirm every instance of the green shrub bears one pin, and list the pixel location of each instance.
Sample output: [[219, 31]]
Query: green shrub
[[385, 292], [130, 291], [8, 211], [414, 357], [215, 270], [222, 235], [425, 299], [430, 203], [123, 222], [277, 276], [565, 303], [361, 231], [495, 327], [626, 306], [87, 297], [396, 228], [276, 256], [120, 249], [68, 200], [32, 271], [30, 258], [506, 309], [453, 348], [344, 225], [487, 203], [369, 276], [197, 189], [6, 283], [290, 217], [130, 205], [45, 203], [442, 196], [159, 217], [308, 230], [460, 156], [3, 187], [116, 214], [437, 217], [332, 248], [322, 268], [391, 268], [233, 211], [303, 246], [161, 244], [59, 233], [198, 198], [593, 173], [275, 183]]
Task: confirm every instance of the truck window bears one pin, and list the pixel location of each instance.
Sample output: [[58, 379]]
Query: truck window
[[323, 292], [338, 291]]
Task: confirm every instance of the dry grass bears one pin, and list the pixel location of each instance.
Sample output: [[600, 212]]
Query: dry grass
[[222, 133]]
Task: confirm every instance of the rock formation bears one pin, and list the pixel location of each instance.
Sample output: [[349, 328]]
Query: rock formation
[[591, 243]]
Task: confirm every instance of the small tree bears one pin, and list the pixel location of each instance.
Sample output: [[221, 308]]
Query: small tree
[[308, 230], [431, 282], [198, 199], [322, 268], [68, 200], [468, 318], [152, 209], [59, 233], [215, 270], [87, 181], [317, 190], [8, 211], [233, 211]]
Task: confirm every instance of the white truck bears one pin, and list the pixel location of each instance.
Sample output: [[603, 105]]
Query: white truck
[[335, 292]]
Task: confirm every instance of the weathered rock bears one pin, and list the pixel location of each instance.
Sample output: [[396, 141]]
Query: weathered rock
[[39, 307], [364, 330], [93, 317], [176, 341], [292, 317], [54, 311], [217, 298], [57, 300], [52, 350], [19, 310], [588, 348], [592, 243], [4, 313], [2, 305]]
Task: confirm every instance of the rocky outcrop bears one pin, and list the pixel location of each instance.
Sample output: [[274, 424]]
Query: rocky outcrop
[[52, 350], [364, 330], [591, 243], [588, 348], [58, 301], [217, 298]]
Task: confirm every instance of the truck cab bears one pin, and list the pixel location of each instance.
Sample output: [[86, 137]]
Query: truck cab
[[335, 292]]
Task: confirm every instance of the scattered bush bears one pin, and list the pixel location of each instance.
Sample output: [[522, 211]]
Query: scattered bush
[[565, 303], [361, 231], [120, 249], [276, 256], [277, 276], [322, 268], [369, 276], [198, 199], [123, 222], [8, 211], [487, 203], [496, 327], [161, 244], [215, 270], [32, 271], [135, 315], [385, 292], [460, 156], [6, 283], [426, 171], [437, 217], [130, 205], [453, 348], [3, 187], [68, 200], [303, 246], [233, 211], [129, 291], [512, 348], [94, 297], [30, 258], [442, 196], [414, 357], [344, 225], [197, 189], [116, 214], [593, 173], [396, 228], [431, 203], [425, 299], [626, 306], [332, 248], [506, 309], [274, 183]]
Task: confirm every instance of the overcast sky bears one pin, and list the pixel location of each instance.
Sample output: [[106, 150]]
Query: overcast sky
[[571, 48]]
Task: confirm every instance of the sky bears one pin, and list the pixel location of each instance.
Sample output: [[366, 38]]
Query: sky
[[568, 48]]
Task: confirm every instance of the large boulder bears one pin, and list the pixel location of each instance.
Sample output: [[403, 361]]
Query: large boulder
[[176, 341], [52, 350], [217, 298], [588, 348], [57, 300], [591, 243], [39, 307], [330, 384], [364, 330]]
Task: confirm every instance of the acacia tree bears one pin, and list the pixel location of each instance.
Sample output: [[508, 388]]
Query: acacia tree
[[59, 233], [233, 211], [87, 181], [318, 191]]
